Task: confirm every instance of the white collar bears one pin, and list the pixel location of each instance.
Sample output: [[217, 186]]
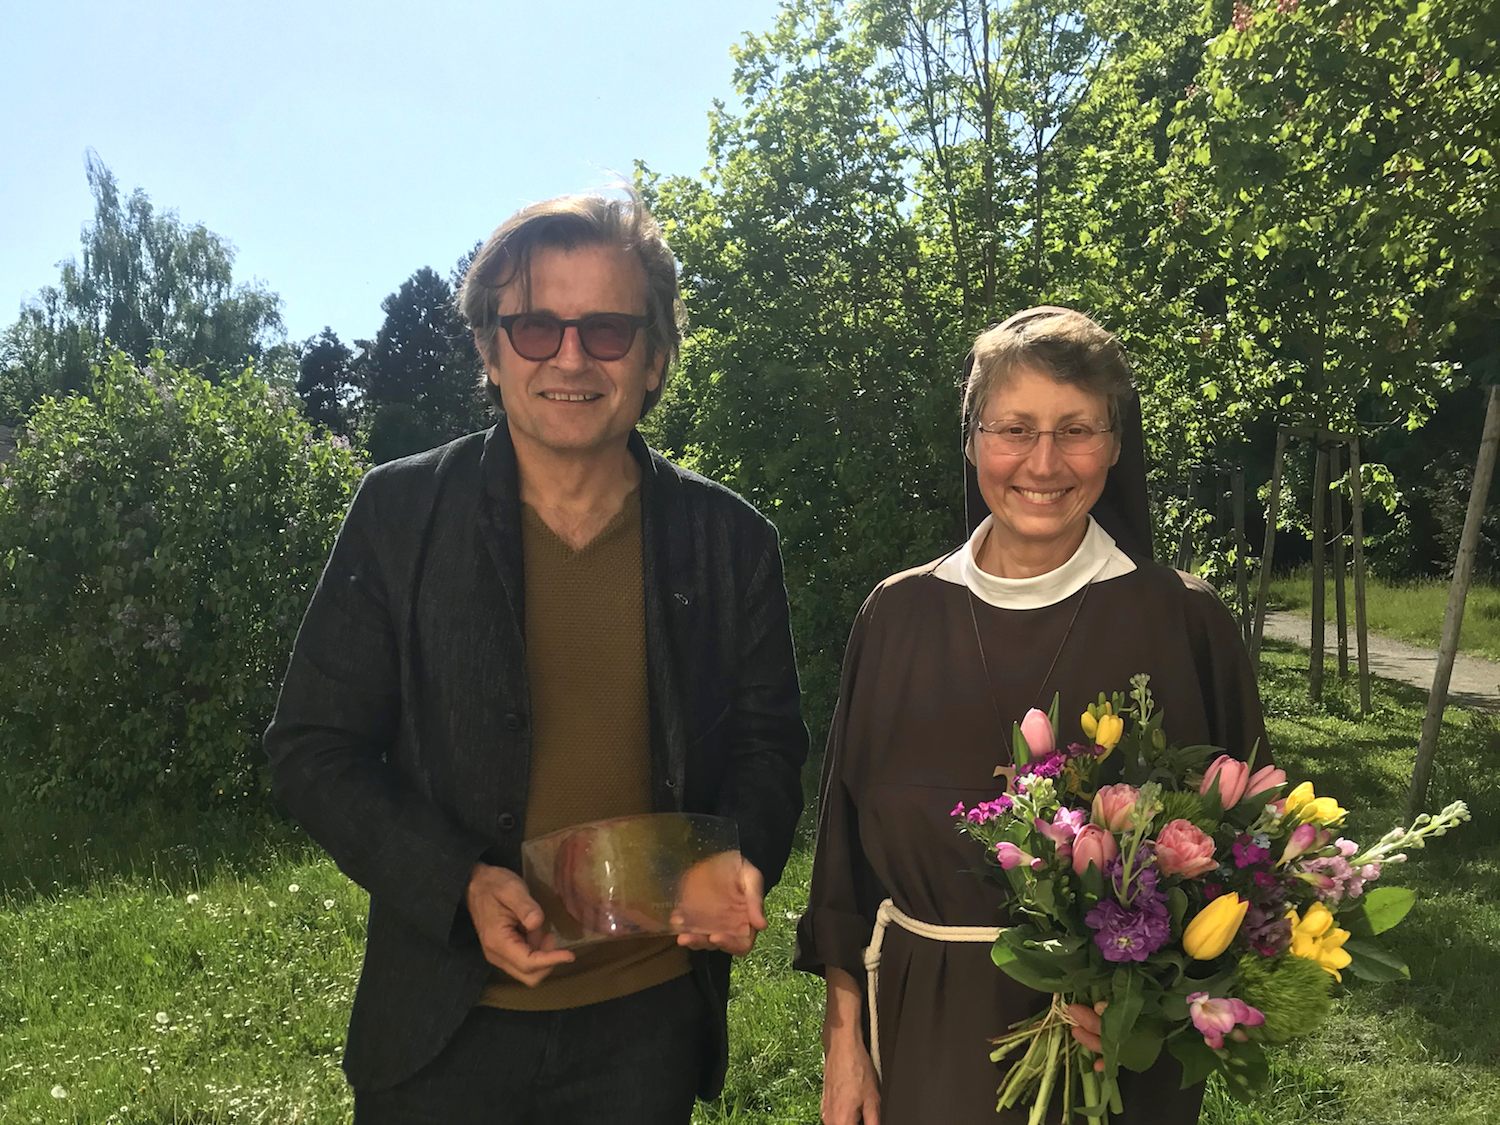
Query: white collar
[[1097, 559]]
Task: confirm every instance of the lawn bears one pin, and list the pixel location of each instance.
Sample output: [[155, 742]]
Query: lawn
[[1412, 611], [185, 971]]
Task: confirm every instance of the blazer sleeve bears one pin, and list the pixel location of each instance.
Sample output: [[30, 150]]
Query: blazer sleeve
[[845, 892], [762, 786], [330, 739]]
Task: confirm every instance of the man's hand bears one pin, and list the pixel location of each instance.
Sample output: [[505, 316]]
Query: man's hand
[[749, 905], [509, 923]]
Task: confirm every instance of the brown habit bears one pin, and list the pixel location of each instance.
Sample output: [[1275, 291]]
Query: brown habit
[[916, 731]]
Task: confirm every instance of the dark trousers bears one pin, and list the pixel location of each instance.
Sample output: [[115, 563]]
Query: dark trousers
[[632, 1061]]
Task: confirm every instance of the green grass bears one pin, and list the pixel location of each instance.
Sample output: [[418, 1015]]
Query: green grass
[[1412, 611], [153, 977]]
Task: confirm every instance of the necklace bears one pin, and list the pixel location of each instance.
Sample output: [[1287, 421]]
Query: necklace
[[984, 663]]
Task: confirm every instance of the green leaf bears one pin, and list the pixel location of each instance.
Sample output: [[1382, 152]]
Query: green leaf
[[1142, 1047], [1371, 962], [1378, 911], [1195, 1057]]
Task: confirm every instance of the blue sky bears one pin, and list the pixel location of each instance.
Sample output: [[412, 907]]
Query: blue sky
[[340, 146]]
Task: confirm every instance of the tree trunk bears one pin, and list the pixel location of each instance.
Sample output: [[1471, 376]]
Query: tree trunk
[[1453, 615], [1320, 500], [1273, 506]]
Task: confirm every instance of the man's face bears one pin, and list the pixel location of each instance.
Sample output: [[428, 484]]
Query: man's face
[[574, 405]]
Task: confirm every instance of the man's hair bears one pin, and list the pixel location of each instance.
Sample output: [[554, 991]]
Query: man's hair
[[568, 223], [1062, 343]]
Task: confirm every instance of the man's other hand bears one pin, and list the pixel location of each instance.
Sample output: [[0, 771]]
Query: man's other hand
[[509, 923]]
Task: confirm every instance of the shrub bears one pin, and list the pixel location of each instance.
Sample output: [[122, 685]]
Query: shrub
[[158, 540]]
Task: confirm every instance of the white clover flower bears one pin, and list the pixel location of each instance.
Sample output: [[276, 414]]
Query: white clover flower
[[292, 888], [328, 904], [59, 1093], [192, 900], [163, 1018]]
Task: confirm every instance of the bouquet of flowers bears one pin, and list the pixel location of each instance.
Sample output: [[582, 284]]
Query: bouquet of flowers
[[1198, 904]]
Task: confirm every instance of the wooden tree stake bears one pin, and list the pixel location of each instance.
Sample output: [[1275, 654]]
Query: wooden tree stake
[[1453, 615], [1320, 500], [1273, 506], [1340, 601], [1357, 531], [1241, 549]]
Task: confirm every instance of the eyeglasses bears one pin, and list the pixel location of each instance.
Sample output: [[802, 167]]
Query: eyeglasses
[[1015, 438], [605, 336]]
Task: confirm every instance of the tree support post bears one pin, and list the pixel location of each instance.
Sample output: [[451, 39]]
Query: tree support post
[[1340, 598], [1320, 500], [1453, 614], [1357, 532], [1273, 507]]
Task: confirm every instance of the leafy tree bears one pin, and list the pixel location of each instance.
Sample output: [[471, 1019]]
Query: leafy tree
[[146, 282], [420, 375], [819, 379], [326, 382], [158, 542]]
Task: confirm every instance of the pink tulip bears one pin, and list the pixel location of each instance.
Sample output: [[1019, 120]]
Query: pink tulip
[[1011, 856], [1233, 776], [1093, 846], [1182, 848], [1216, 1017], [1113, 806], [1263, 781], [1036, 729]]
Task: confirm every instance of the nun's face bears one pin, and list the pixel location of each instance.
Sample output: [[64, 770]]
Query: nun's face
[[1040, 496]]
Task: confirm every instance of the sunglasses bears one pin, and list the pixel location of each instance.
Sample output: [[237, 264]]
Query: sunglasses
[[605, 336]]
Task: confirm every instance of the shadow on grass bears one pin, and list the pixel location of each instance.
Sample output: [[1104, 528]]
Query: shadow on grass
[[49, 849]]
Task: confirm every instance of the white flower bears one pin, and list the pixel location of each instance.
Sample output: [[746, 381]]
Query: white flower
[[192, 900], [59, 1093], [292, 889], [163, 1018], [328, 904]]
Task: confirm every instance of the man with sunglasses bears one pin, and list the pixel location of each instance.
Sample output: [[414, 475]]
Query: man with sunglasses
[[528, 628]]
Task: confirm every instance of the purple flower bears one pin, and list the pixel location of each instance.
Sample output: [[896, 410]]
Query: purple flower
[[1215, 1017], [1047, 765], [1143, 876], [984, 811], [1125, 933], [1267, 929], [1336, 881], [1247, 853]]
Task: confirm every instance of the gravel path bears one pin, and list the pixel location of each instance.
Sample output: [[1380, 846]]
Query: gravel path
[[1475, 683]]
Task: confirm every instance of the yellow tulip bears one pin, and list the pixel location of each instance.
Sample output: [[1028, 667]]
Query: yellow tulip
[[1307, 806], [1214, 927], [1315, 937]]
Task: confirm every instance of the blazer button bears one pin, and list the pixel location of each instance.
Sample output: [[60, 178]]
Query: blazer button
[[507, 822], [514, 721]]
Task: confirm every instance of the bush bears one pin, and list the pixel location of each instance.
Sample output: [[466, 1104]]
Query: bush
[[158, 541]]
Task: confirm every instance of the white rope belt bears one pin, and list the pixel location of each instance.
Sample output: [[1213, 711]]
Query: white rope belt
[[889, 912]]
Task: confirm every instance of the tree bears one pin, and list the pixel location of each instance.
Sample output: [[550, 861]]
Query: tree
[[420, 376], [159, 538], [146, 282], [326, 382], [819, 379]]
